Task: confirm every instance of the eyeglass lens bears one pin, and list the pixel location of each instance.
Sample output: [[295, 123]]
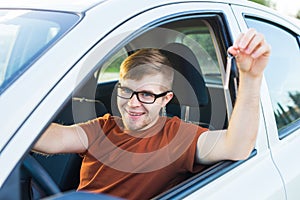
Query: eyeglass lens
[[144, 97]]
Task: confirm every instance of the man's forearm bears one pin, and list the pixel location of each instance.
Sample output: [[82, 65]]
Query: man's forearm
[[62, 139], [244, 122], [50, 141]]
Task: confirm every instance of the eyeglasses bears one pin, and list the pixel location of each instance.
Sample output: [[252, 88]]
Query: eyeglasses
[[142, 96]]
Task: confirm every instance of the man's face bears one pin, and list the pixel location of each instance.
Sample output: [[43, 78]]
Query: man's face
[[139, 116]]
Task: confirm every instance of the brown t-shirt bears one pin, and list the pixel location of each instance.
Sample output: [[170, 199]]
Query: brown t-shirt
[[138, 165]]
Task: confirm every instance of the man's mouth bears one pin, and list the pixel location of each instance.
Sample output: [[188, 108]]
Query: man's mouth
[[135, 114]]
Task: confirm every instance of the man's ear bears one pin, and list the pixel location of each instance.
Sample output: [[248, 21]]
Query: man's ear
[[168, 98]]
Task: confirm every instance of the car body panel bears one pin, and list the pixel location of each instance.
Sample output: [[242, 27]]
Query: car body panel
[[232, 185]]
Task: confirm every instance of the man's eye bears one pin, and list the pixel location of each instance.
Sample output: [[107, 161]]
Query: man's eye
[[126, 90], [146, 95]]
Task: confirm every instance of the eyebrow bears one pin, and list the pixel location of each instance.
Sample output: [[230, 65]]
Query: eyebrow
[[146, 91]]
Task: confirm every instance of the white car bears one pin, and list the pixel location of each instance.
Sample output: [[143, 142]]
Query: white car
[[59, 62]]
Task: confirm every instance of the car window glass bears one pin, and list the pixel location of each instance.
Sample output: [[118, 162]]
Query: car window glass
[[282, 73], [24, 35]]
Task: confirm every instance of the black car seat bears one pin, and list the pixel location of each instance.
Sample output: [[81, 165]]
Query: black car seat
[[191, 102]]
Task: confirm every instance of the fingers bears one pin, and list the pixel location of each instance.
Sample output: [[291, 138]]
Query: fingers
[[250, 43], [263, 50], [245, 39], [233, 51], [251, 52]]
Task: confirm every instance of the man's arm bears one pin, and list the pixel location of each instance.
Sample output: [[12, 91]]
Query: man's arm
[[237, 142], [62, 139]]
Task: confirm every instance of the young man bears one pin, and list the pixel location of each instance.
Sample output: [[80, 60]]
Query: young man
[[142, 154]]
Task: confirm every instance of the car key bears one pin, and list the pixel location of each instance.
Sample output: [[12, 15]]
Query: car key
[[228, 70]]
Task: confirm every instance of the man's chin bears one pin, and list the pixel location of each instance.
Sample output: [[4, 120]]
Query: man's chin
[[134, 125]]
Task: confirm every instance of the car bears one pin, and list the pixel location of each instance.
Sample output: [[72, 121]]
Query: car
[[60, 63]]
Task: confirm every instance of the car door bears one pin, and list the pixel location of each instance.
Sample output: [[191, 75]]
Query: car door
[[281, 106]]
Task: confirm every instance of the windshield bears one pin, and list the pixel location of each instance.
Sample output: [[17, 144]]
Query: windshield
[[24, 36]]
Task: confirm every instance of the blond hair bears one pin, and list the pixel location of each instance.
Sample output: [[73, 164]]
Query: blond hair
[[147, 62]]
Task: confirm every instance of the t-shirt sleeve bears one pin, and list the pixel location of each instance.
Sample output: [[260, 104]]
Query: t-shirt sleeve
[[93, 128]]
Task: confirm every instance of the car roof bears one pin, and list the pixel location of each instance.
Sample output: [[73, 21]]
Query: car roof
[[55, 5], [83, 5]]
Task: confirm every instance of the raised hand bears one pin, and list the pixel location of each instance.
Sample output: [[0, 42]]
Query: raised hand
[[252, 53]]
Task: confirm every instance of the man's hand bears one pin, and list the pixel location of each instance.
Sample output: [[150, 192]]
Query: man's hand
[[251, 52]]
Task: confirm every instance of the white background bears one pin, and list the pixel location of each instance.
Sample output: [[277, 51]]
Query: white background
[[288, 7]]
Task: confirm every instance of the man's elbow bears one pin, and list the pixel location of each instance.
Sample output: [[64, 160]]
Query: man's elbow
[[241, 155]]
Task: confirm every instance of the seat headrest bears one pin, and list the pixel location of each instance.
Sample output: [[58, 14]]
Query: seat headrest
[[188, 86]]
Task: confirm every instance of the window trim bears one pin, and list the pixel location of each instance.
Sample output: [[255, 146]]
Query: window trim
[[291, 128]]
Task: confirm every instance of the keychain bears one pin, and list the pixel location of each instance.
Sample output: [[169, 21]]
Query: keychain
[[228, 70]]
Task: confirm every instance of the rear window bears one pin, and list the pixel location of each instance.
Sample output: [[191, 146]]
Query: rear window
[[24, 36]]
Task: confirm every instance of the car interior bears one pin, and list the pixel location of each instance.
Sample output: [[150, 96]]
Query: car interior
[[196, 47]]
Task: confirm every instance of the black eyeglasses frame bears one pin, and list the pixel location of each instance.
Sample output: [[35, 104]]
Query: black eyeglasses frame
[[156, 96]]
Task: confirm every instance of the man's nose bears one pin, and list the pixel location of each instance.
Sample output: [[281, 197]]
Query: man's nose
[[134, 101]]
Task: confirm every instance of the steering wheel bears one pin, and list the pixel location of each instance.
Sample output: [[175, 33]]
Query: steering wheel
[[40, 175]]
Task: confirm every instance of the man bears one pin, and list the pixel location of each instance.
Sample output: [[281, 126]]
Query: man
[[142, 154]]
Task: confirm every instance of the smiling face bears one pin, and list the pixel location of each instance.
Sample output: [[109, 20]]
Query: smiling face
[[139, 116], [147, 71]]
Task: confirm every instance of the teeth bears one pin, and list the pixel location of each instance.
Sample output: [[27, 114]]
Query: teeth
[[134, 114]]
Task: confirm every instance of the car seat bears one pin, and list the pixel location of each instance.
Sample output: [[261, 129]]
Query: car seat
[[191, 101]]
